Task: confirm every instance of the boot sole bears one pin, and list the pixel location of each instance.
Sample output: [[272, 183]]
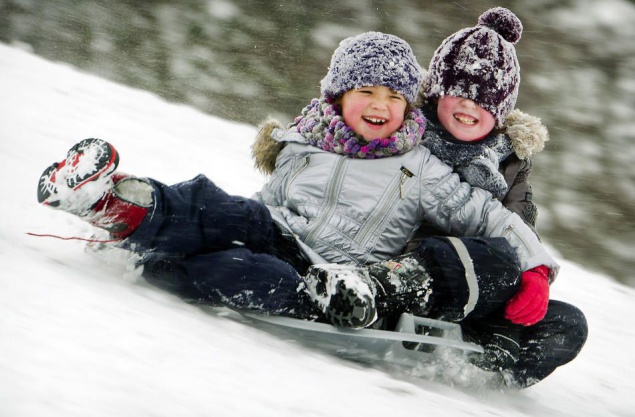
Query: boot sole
[[106, 162], [347, 309]]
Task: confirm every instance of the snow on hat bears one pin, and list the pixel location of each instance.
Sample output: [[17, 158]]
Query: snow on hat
[[369, 59], [480, 63]]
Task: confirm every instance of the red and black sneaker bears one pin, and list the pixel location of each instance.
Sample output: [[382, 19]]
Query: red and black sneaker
[[90, 161]]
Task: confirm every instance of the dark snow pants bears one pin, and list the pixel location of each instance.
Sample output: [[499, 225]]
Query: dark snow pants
[[206, 246], [554, 341], [471, 277]]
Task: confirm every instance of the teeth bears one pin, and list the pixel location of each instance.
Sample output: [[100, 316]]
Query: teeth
[[375, 120], [465, 120]]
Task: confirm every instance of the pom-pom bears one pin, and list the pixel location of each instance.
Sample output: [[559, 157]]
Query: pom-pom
[[503, 22]]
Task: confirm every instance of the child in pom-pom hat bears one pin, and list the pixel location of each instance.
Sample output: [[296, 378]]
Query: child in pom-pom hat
[[349, 186], [470, 94], [469, 97]]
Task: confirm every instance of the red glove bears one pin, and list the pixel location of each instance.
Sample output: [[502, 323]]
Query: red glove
[[529, 305]]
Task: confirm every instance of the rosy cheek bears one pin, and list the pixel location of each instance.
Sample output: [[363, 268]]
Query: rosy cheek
[[346, 115]]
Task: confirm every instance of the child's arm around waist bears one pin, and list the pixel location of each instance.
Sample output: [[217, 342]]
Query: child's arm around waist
[[465, 211]]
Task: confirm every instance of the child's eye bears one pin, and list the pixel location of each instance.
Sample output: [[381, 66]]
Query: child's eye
[[396, 95]]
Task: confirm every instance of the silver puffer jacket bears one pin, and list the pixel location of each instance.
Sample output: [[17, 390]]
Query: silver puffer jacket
[[355, 211]]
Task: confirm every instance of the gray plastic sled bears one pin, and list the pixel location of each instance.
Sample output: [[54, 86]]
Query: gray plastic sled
[[403, 346]]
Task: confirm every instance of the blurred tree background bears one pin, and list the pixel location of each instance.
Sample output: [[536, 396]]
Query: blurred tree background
[[245, 59]]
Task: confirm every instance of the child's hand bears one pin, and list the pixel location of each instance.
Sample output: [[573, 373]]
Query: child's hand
[[529, 305]]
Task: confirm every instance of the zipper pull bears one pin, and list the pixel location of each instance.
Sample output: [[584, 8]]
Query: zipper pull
[[405, 174], [402, 189]]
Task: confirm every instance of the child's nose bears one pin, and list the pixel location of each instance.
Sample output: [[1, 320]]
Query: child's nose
[[468, 102], [379, 102]]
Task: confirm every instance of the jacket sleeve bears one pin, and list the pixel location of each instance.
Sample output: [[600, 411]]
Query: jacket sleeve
[[519, 197], [461, 210]]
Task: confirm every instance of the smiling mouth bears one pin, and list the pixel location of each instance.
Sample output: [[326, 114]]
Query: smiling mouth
[[375, 120], [466, 120]]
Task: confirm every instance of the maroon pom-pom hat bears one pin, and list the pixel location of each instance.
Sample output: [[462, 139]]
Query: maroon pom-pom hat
[[480, 63]]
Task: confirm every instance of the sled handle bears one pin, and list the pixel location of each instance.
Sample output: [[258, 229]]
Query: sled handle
[[407, 323]]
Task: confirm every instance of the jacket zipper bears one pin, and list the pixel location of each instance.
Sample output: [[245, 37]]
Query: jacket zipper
[[405, 174], [298, 170], [332, 196], [378, 217]]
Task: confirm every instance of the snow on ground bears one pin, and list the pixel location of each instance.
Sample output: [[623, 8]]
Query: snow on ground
[[84, 336]]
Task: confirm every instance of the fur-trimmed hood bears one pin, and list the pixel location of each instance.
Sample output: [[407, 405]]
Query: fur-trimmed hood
[[527, 133], [265, 150]]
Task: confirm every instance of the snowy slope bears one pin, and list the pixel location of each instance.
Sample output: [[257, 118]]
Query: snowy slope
[[83, 336]]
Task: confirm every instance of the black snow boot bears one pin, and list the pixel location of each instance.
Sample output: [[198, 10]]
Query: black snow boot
[[403, 285], [345, 294]]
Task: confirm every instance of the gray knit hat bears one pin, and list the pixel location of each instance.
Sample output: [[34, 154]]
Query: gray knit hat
[[480, 63], [369, 59]]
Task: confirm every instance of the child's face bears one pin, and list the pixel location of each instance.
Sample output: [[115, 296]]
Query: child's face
[[373, 112], [464, 119]]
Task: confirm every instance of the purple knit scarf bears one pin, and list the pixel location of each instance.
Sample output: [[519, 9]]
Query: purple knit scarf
[[322, 126]]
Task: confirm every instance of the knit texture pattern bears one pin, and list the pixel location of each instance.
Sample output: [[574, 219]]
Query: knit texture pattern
[[323, 126], [476, 163], [373, 59], [480, 63]]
